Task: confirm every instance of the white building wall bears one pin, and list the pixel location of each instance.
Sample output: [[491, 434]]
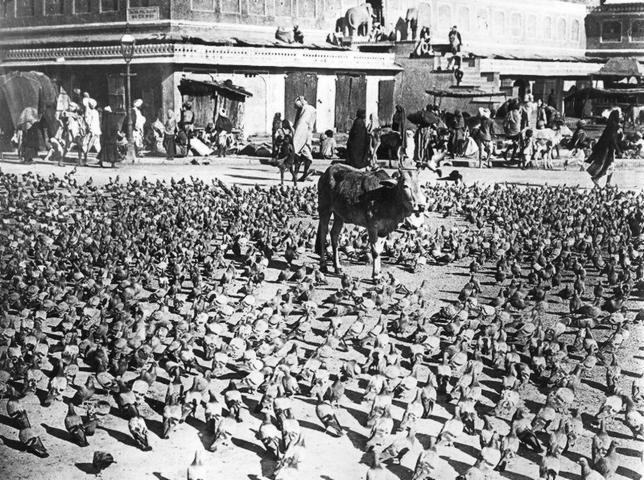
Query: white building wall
[[326, 102]]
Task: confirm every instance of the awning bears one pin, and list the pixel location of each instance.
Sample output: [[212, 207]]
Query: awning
[[626, 94], [189, 86], [620, 67], [463, 93]]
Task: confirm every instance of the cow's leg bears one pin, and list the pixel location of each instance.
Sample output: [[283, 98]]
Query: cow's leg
[[320, 241], [376, 250], [336, 229]]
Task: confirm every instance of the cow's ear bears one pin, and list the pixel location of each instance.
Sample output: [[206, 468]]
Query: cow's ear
[[388, 183]]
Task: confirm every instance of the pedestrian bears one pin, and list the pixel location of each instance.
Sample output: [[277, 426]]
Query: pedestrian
[[602, 158], [138, 126], [552, 101], [30, 141], [284, 157], [483, 136], [512, 128], [458, 76], [542, 117], [527, 148], [358, 142], [327, 145], [577, 143], [455, 43], [303, 135], [398, 123], [277, 124], [458, 133], [111, 130], [93, 136], [187, 121], [169, 132]]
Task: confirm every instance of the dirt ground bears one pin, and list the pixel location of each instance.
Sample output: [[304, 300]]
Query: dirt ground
[[327, 458]]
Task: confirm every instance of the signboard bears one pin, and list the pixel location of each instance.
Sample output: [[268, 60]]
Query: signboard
[[137, 14]]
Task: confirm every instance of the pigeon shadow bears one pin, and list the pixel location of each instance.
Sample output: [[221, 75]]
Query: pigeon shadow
[[159, 476], [627, 472], [400, 471], [312, 426], [251, 447], [457, 465], [58, 433], [358, 440], [85, 467], [8, 421], [155, 426], [120, 437], [13, 444], [361, 417]]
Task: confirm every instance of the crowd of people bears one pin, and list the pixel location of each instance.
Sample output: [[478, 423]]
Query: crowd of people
[[146, 309]]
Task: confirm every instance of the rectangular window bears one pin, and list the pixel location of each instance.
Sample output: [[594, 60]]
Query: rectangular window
[[81, 6], [54, 7], [531, 27], [637, 31], [547, 28], [612, 31], [516, 24], [6, 9], [561, 29], [283, 8], [25, 8], [574, 31], [230, 6], [203, 5], [109, 5]]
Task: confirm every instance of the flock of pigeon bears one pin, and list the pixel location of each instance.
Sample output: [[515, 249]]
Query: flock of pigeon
[[138, 286]]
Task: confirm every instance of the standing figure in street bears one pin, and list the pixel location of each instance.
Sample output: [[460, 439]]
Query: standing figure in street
[[483, 136], [138, 125], [169, 131], [358, 141], [512, 127], [113, 139], [93, 135], [187, 122], [455, 43], [602, 158], [459, 135], [30, 143], [542, 117], [277, 124], [303, 135]]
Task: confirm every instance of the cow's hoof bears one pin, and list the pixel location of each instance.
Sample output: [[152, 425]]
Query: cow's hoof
[[338, 270], [376, 277]]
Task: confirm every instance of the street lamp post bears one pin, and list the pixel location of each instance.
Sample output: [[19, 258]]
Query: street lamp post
[[127, 50]]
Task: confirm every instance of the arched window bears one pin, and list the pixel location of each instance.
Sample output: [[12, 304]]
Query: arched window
[[445, 17], [516, 25], [499, 23], [574, 31], [547, 28], [463, 19], [482, 21], [531, 27], [561, 29]]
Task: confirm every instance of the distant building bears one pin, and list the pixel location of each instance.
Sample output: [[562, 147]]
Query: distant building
[[540, 48], [616, 29], [77, 42]]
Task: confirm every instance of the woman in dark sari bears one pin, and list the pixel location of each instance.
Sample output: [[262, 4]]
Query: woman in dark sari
[[602, 157], [358, 142]]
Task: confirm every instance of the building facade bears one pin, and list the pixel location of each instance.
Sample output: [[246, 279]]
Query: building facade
[[616, 29], [540, 46], [77, 43]]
